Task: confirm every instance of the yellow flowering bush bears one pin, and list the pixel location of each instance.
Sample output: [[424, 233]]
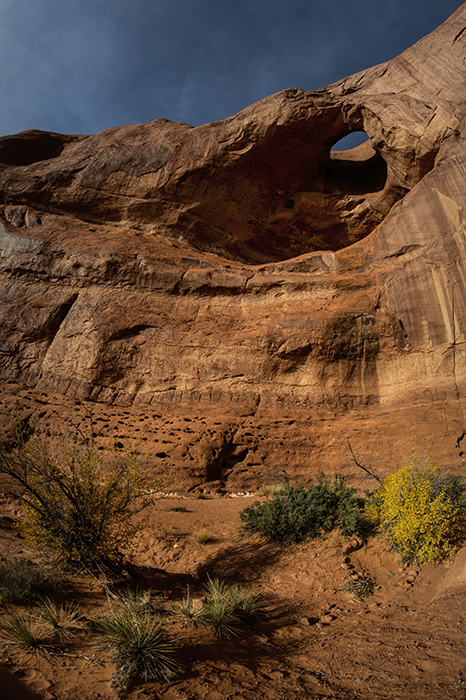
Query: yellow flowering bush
[[419, 509]]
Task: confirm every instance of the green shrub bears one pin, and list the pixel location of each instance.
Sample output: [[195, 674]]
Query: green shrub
[[298, 512], [75, 504], [20, 579], [139, 647], [420, 510]]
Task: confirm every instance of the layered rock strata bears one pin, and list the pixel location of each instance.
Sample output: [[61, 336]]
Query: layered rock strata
[[246, 262]]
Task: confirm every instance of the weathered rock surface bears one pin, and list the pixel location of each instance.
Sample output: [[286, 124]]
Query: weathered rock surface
[[244, 265]]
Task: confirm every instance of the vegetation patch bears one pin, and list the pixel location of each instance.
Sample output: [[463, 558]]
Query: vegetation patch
[[76, 504], [421, 510], [204, 537], [227, 609], [25, 632], [298, 512], [22, 580], [139, 646], [360, 586], [63, 620]]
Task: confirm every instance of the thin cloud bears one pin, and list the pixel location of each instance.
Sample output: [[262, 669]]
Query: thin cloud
[[80, 67]]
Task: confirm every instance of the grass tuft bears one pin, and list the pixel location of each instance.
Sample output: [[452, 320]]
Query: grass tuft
[[138, 601], [271, 490], [227, 609], [20, 579], [204, 537]]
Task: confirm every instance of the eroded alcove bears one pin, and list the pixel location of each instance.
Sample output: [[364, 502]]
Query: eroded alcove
[[30, 147], [295, 193]]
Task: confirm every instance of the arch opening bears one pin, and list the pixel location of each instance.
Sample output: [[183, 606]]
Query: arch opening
[[356, 170], [350, 141]]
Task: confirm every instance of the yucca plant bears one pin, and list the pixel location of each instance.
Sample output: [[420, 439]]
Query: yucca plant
[[190, 610], [137, 601], [25, 632], [139, 647], [228, 608], [249, 607], [64, 620], [221, 614]]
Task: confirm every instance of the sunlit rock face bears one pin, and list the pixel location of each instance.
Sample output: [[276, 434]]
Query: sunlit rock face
[[247, 261]]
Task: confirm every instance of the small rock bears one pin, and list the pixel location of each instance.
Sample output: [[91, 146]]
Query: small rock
[[326, 619]]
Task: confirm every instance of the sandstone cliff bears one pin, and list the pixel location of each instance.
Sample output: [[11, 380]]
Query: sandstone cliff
[[246, 263]]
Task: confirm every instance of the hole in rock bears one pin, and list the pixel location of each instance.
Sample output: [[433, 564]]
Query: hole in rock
[[359, 170], [351, 140]]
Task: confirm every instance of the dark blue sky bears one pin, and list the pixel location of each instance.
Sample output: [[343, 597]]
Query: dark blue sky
[[81, 66]]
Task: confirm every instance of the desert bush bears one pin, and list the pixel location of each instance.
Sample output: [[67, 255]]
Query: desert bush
[[75, 503], [420, 510], [270, 490], [299, 512], [139, 645], [21, 579]]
